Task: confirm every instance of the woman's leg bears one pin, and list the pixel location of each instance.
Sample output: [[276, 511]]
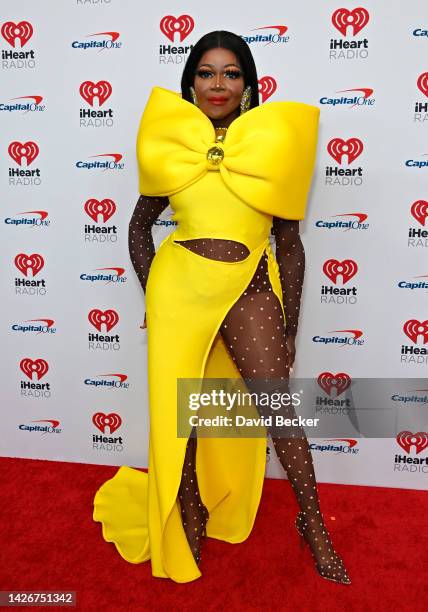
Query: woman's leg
[[194, 514], [254, 334]]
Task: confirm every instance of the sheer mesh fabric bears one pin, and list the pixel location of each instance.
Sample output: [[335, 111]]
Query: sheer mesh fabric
[[140, 239], [255, 335]]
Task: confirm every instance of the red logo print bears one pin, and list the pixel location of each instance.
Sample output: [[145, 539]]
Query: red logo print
[[106, 208], [98, 318], [407, 439], [121, 377], [347, 268], [34, 262], [357, 19], [419, 211], [414, 328], [422, 83], [102, 421], [18, 150], [352, 148], [34, 369], [328, 381], [101, 90], [22, 30], [183, 25], [267, 87]]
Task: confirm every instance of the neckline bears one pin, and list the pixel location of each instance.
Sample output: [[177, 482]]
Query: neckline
[[178, 96]]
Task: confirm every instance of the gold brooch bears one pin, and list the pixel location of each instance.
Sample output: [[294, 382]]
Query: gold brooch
[[215, 155]]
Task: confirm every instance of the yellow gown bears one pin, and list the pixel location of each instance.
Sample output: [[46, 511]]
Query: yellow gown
[[228, 190]]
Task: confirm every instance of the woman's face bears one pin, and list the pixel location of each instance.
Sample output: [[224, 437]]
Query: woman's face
[[219, 84]]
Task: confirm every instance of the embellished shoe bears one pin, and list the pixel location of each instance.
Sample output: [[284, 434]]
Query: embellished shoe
[[331, 568]]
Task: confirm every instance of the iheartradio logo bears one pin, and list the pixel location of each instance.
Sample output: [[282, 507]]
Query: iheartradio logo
[[100, 208], [182, 25], [355, 20], [338, 148], [101, 90], [407, 439], [106, 318], [333, 268], [34, 262], [419, 211], [18, 151], [103, 421], [414, 328], [422, 83], [34, 370], [267, 87], [21, 31], [328, 381]]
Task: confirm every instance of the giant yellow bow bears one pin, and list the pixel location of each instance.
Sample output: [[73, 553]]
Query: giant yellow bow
[[267, 158]]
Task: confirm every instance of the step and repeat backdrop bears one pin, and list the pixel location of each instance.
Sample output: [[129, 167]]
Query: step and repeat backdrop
[[75, 76]]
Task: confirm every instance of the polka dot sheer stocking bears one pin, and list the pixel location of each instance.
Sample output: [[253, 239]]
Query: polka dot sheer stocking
[[194, 514], [255, 334]]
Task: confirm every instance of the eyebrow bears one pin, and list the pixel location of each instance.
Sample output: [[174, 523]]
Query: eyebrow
[[225, 66]]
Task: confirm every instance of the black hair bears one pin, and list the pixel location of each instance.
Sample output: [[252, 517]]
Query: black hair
[[226, 40]]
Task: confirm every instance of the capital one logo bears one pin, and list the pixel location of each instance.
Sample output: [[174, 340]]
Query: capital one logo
[[106, 208], [102, 421], [182, 25], [419, 211], [414, 328], [338, 148], [422, 83], [98, 318], [407, 439], [355, 20], [18, 151], [333, 268], [34, 262], [34, 370], [101, 90], [267, 87], [328, 381], [21, 31]]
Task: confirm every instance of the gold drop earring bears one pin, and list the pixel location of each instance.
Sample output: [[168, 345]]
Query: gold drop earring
[[245, 100], [193, 95]]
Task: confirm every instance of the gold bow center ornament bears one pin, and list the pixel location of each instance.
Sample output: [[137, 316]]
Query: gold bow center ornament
[[215, 155]]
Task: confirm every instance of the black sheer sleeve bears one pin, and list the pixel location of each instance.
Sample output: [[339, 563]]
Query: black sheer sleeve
[[290, 256], [140, 239]]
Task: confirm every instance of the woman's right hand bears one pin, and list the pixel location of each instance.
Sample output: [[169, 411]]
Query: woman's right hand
[[144, 325]]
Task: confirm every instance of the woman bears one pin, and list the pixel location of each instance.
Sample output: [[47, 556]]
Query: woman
[[218, 304]]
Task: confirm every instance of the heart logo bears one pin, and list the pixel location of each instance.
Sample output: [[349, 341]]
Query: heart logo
[[419, 210], [184, 24], [102, 421], [422, 83], [328, 381], [407, 439], [18, 150], [356, 19], [267, 87], [106, 208], [22, 31], [352, 148], [98, 318], [36, 368], [101, 90], [413, 328], [347, 268], [34, 262]]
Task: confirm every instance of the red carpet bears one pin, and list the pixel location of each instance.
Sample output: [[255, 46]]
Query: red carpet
[[49, 542]]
